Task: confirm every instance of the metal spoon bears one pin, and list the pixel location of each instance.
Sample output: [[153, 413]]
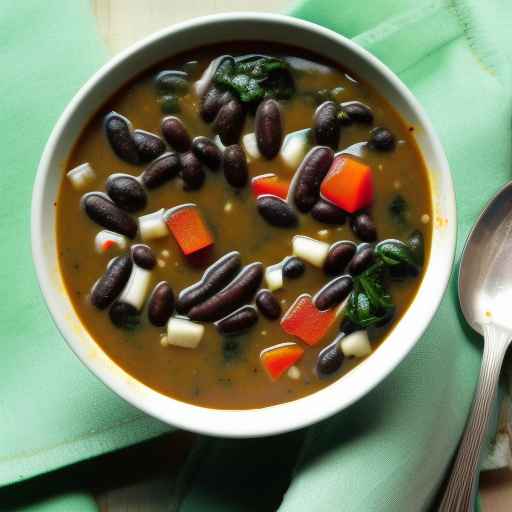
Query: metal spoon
[[485, 294]]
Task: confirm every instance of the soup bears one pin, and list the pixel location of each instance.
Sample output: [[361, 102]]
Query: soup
[[238, 230]]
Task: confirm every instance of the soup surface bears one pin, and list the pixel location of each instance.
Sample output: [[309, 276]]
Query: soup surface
[[303, 105]]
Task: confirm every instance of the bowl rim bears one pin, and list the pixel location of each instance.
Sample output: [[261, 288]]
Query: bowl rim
[[248, 422]]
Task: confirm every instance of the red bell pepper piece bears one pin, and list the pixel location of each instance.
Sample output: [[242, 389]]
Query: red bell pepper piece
[[189, 229], [269, 184], [107, 244], [348, 184], [276, 360], [307, 322]]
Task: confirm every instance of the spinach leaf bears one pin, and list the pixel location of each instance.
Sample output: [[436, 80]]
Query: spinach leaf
[[371, 283], [394, 252], [231, 348], [369, 303], [252, 77], [398, 209]]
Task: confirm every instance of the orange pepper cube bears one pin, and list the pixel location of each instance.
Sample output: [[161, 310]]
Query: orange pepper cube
[[278, 359], [348, 184], [307, 322], [189, 229]]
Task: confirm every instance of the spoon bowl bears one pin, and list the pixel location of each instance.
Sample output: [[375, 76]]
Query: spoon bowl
[[485, 275], [485, 293]]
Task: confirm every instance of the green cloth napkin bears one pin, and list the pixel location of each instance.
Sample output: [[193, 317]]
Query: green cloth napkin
[[389, 451], [52, 410]]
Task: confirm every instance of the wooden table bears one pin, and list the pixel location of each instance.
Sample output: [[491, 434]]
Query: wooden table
[[121, 23]]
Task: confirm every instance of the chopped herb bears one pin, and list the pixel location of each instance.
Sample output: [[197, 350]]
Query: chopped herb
[[398, 209], [230, 348], [253, 77]]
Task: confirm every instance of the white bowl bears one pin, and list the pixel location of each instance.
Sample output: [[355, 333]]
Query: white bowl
[[186, 36]]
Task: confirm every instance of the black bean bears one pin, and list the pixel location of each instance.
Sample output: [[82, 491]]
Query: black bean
[[124, 315], [175, 133], [161, 170], [126, 192], [190, 67], [236, 170], [207, 152], [268, 128], [192, 172], [382, 139], [328, 213], [329, 359], [268, 304], [417, 244], [348, 327], [149, 145], [172, 82], [293, 268], [169, 104], [362, 259], [333, 293], [276, 211], [119, 135], [112, 282], [355, 112], [363, 226], [216, 277], [326, 126], [229, 122], [161, 304], [338, 257], [143, 256], [311, 172], [105, 213], [212, 101], [238, 322], [230, 298]]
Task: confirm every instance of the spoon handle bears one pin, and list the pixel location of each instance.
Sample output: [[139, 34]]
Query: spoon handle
[[459, 493]]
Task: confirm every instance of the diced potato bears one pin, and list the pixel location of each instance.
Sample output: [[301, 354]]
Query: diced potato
[[274, 277], [136, 288], [184, 333], [81, 176], [310, 250], [356, 344], [153, 225]]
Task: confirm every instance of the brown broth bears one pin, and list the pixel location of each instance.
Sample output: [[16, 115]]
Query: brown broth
[[204, 376]]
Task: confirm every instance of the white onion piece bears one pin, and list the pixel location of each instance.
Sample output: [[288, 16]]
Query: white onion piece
[[136, 288], [81, 176], [217, 141], [356, 149], [184, 333], [153, 225], [251, 146], [356, 344], [294, 148], [202, 85], [274, 277], [104, 236], [310, 250]]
